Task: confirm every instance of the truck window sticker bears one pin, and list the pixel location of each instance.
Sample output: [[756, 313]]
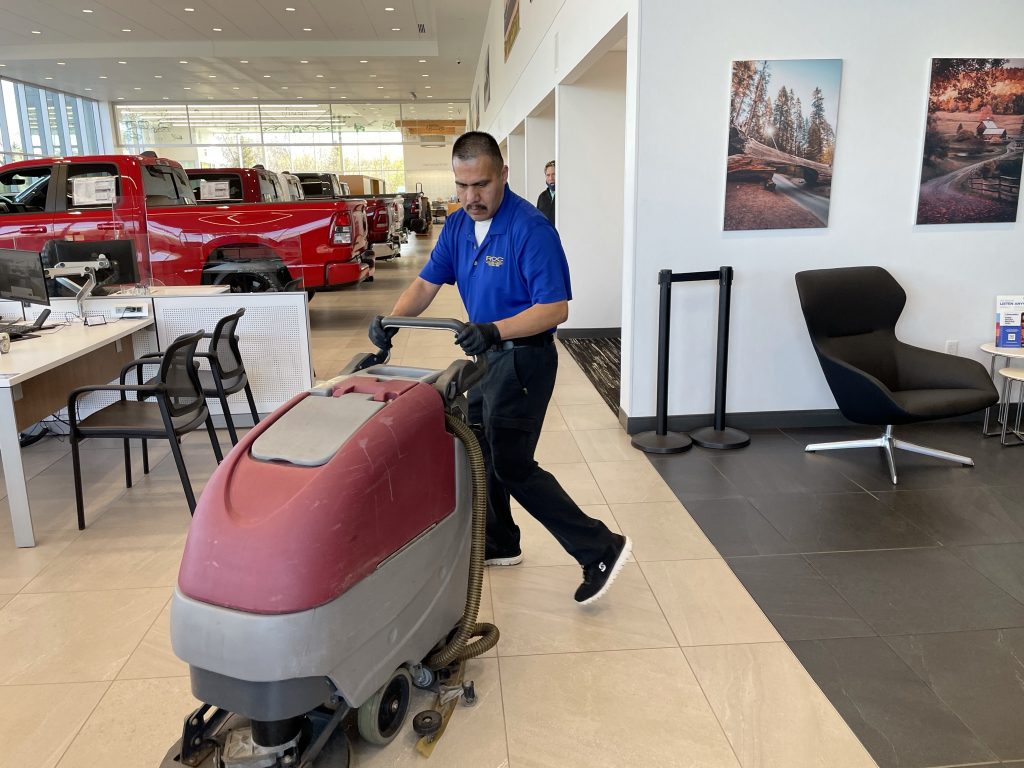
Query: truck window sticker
[[214, 190], [93, 190]]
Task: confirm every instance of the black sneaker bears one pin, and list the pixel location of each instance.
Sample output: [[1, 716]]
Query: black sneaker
[[599, 575], [493, 557]]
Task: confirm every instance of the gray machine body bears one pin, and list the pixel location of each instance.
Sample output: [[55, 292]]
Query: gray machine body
[[275, 666]]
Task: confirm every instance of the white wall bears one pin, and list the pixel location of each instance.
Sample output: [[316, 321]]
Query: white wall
[[591, 119], [951, 273], [516, 159], [540, 150], [431, 167]]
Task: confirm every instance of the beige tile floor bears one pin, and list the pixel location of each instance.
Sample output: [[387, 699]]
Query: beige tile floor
[[676, 667]]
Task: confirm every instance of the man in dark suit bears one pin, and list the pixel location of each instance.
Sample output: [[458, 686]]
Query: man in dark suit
[[546, 201]]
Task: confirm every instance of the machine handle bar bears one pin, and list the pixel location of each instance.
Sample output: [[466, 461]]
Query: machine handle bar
[[428, 323]]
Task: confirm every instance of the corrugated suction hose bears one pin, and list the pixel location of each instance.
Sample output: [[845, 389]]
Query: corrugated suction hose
[[459, 648]]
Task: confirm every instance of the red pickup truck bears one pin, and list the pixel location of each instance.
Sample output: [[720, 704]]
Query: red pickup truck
[[258, 246]]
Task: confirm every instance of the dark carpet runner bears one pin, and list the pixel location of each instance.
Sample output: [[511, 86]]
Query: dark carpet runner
[[600, 360]]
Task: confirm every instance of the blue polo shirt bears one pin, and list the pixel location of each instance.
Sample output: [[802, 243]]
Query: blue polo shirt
[[520, 263]]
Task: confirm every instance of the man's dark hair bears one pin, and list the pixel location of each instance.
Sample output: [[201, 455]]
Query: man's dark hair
[[474, 144], [551, 164]]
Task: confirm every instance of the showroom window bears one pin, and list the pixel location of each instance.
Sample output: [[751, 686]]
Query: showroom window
[[38, 121], [352, 139]]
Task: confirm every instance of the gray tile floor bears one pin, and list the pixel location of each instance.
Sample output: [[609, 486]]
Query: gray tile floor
[[906, 606]]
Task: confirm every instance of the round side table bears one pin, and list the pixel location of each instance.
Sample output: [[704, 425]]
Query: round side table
[[1007, 354]]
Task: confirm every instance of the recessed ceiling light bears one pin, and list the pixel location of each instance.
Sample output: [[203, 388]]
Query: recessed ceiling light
[[87, 10], [183, 62], [266, 75], [47, 78], [424, 75], [284, 87], [36, 32], [62, 63], [3, 65], [396, 29], [372, 75], [307, 29], [319, 75], [343, 97], [389, 9], [137, 88], [122, 62], [364, 61], [299, 97], [217, 29], [427, 87], [235, 88], [333, 87], [186, 88], [255, 97], [430, 96], [120, 98], [88, 89], [244, 61], [166, 98], [303, 61], [158, 77], [103, 77], [190, 10], [289, 9], [126, 30], [380, 87], [209, 97], [423, 61]]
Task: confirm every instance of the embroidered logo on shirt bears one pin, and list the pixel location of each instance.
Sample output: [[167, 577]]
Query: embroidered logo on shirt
[[494, 261]]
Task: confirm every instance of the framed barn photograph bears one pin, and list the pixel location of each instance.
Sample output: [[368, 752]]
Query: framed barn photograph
[[973, 143]]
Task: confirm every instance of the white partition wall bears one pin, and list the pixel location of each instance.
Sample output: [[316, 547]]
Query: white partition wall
[[591, 124], [540, 147], [273, 338], [516, 159]]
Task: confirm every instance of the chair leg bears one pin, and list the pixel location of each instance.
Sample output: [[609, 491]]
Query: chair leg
[[924, 450], [145, 456], [186, 484], [127, 463], [77, 465], [213, 439], [252, 404], [228, 421], [887, 446]]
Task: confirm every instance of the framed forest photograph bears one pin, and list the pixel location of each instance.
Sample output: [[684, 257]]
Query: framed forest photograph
[[973, 142], [782, 138]]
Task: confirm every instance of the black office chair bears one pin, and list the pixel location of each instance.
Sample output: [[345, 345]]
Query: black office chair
[[169, 407], [226, 375], [876, 379]]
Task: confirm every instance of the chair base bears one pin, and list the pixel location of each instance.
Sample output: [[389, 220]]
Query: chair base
[[887, 443]]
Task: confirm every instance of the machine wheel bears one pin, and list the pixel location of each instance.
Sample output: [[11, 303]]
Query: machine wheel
[[381, 717], [427, 722]]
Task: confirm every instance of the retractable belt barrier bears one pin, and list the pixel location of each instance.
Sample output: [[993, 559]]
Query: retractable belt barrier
[[717, 435]]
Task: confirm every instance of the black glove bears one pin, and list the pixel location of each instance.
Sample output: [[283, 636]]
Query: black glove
[[379, 335], [477, 338]]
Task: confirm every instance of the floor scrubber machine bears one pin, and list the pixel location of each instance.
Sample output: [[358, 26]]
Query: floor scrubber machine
[[334, 561]]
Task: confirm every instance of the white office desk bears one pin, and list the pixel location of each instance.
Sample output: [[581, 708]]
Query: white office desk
[[36, 377]]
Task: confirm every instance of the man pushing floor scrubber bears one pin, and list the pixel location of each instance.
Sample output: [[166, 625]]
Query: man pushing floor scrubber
[[510, 269]]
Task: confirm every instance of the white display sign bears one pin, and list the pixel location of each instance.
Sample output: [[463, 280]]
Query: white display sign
[[93, 190], [214, 190]]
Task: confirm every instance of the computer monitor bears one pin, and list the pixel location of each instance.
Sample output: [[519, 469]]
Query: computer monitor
[[21, 277], [124, 266]]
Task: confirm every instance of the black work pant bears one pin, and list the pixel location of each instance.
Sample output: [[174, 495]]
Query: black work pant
[[508, 409]]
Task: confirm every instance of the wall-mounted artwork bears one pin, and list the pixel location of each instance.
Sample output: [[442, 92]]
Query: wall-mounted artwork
[[782, 138], [487, 78], [511, 25], [973, 142]]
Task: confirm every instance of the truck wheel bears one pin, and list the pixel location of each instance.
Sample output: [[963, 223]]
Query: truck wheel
[[245, 282]]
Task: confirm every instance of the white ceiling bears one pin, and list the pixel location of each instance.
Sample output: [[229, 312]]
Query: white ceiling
[[171, 54]]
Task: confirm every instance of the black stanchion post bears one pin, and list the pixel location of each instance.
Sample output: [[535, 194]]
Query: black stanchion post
[[718, 435], [661, 440]]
